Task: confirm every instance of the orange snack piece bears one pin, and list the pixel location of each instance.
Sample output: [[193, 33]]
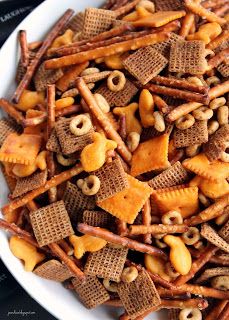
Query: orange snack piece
[[151, 155], [206, 32], [21, 149], [132, 123], [146, 108], [159, 18], [183, 200], [211, 189], [64, 39], [126, 204], [200, 165], [30, 99]]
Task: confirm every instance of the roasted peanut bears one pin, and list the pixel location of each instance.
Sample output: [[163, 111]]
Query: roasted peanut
[[159, 123], [202, 113], [180, 257], [129, 274], [102, 102], [191, 236], [222, 115], [120, 79], [172, 217], [133, 140], [195, 80], [213, 126], [156, 265]]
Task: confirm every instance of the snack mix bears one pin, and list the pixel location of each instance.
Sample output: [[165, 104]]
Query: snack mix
[[115, 149]]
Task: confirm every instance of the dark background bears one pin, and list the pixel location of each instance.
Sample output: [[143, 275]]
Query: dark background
[[13, 298]]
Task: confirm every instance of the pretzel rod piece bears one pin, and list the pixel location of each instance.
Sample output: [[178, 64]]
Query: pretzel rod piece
[[121, 227], [186, 24], [55, 181], [24, 48], [108, 4], [56, 250], [225, 313], [216, 311], [157, 229], [176, 93], [127, 8], [146, 220], [196, 265], [202, 12], [122, 129], [224, 36], [181, 84], [218, 58], [31, 122], [114, 238], [161, 104], [213, 211], [120, 47], [40, 53], [12, 111], [117, 303], [68, 111], [119, 4], [219, 90], [221, 10], [205, 291], [182, 110], [102, 119]]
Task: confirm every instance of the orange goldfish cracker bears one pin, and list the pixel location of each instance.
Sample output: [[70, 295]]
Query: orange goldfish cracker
[[65, 39], [64, 103], [21, 149], [207, 32], [93, 155], [85, 244], [151, 155], [133, 16], [211, 189], [132, 123], [30, 99], [179, 256], [115, 61], [156, 265], [146, 108], [26, 252]]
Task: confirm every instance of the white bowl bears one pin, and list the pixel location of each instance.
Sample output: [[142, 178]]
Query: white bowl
[[62, 303]]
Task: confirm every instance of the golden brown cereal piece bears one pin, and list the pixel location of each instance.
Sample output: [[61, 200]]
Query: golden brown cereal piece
[[120, 79], [213, 272], [217, 143], [212, 236], [168, 5], [151, 155], [44, 77], [53, 270], [7, 126]]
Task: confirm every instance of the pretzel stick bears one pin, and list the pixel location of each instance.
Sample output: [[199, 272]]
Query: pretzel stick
[[186, 24], [12, 111], [127, 8], [40, 53], [181, 84], [56, 250], [197, 265], [212, 3], [35, 45], [55, 181], [121, 228], [215, 312], [24, 48], [117, 303], [215, 43], [51, 92], [221, 10], [202, 12], [224, 315], [157, 229], [146, 220], [219, 90], [176, 93], [102, 119], [75, 108], [66, 247], [114, 238], [213, 211], [161, 104], [120, 47], [182, 110], [205, 291], [122, 128], [31, 122], [218, 58], [70, 76], [108, 4], [219, 261]]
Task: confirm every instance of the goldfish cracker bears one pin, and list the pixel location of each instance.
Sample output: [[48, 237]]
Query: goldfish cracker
[[22, 170], [180, 256], [132, 123], [146, 108], [64, 102], [156, 265], [30, 99], [93, 155], [206, 32], [65, 39], [211, 189], [26, 252], [142, 12], [115, 61], [86, 243], [133, 16]]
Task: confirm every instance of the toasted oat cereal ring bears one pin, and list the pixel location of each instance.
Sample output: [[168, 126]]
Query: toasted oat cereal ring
[[191, 236], [129, 274], [121, 81], [185, 122], [171, 271], [91, 185], [172, 217], [212, 81], [65, 160], [213, 126], [133, 140], [102, 102], [88, 71], [159, 123], [216, 103], [222, 115], [192, 151], [80, 125], [224, 155], [220, 283], [112, 287], [202, 113], [190, 314], [203, 199]]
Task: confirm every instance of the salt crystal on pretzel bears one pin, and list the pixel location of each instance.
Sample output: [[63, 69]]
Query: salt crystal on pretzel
[[107, 263], [217, 143], [121, 47], [183, 200], [196, 134], [53, 270], [210, 273], [44, 77], [212, 236], [151, 155], [22, 149], [126, 204], [91, 292], [200, 165], [145, 63]]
